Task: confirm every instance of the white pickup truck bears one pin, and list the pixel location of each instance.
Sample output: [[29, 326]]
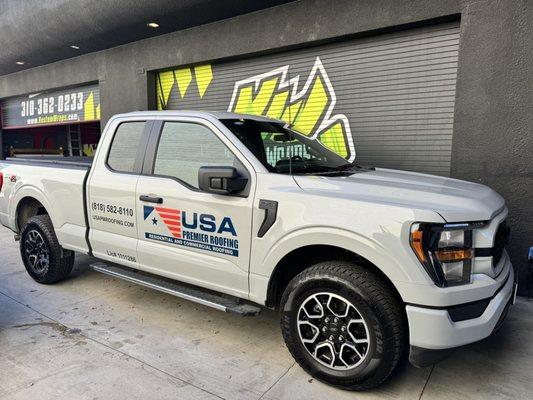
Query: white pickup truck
[[236, 212]]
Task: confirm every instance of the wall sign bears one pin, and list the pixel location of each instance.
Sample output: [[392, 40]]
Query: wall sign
[[51, 107]]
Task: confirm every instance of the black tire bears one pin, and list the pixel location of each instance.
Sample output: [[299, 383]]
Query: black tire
[[371, 299], [45, 260]]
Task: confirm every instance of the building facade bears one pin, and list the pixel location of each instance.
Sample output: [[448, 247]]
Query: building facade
[[441, 87]]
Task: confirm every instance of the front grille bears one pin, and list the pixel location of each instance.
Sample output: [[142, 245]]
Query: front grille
[[500, 241]]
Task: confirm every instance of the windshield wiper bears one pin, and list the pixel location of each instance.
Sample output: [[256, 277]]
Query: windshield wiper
[[349, 166], [341, 169]]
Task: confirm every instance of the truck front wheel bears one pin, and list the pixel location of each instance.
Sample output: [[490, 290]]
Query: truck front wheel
[[343, 325], [45, 260]]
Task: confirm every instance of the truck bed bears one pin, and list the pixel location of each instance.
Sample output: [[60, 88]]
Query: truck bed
[[58, 184]]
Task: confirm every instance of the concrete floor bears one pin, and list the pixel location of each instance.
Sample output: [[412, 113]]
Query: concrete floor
[[94, 337]]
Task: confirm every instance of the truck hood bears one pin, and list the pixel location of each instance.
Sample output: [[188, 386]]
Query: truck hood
[[453, 199]]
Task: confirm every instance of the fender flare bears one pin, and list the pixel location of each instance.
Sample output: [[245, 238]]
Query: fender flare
[[358, 244], [33, 192], [364, 247]]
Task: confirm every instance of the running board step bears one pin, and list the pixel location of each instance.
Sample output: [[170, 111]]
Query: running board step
[[178, 289]]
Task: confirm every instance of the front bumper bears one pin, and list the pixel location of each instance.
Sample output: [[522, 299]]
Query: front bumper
[[432, 328]]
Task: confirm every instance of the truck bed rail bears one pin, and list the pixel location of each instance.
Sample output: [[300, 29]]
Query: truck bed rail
[[84, 162]]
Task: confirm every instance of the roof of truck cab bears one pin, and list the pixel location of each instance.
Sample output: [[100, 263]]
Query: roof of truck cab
[[194, 113]]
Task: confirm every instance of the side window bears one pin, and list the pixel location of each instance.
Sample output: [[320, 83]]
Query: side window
[[185, 147], [124, 147]]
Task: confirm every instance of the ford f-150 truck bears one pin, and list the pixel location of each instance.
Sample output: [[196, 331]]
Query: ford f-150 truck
[[238, 212]]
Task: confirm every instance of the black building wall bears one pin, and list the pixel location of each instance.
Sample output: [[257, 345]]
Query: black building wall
[[493, 127], [492, 140]]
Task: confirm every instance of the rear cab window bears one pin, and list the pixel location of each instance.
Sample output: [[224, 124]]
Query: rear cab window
[[125, 146]]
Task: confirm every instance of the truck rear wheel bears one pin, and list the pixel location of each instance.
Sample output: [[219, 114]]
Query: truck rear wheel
[[45, 260], [343, 325]]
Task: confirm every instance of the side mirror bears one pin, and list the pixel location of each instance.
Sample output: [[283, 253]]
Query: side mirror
[[221, 180]]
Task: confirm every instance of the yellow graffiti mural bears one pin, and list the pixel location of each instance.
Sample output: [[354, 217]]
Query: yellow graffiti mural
[[309, 110], [91, 111], [204, 76], [182, 78], [165, 81], [308, 107]]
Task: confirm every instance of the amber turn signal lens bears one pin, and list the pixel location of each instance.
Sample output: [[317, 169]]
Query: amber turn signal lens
[[416, 244], [450, 256]]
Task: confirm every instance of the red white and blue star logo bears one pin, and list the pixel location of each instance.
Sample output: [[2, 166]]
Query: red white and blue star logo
[[171, 218]]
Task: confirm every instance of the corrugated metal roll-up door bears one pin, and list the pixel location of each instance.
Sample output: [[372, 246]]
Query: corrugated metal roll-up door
[[387, 100]]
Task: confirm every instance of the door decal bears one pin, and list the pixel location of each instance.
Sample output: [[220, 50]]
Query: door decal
[[191, 229]]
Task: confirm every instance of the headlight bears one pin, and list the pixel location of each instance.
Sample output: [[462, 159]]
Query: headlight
[[445, 251]]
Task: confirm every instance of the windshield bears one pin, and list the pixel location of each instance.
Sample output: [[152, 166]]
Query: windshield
[[283, 150]]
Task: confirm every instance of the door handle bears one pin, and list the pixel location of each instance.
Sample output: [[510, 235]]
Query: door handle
[[150, 199]]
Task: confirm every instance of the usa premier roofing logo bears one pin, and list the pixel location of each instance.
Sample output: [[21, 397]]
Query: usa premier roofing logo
[[170, 217], [191, 229]]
